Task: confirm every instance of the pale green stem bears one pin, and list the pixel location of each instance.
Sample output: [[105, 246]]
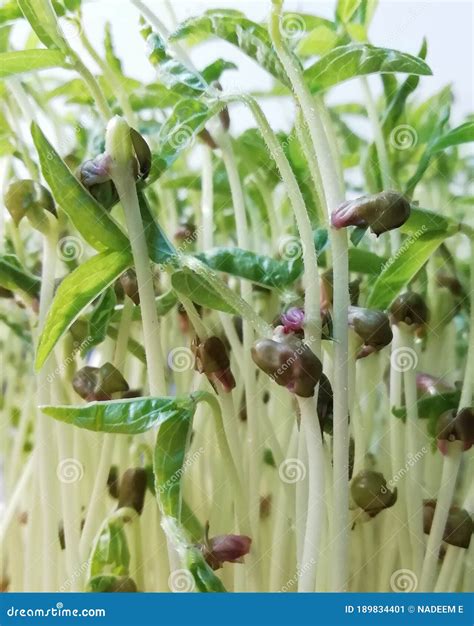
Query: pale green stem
[[122, 175], [207, 198], [334, 193]]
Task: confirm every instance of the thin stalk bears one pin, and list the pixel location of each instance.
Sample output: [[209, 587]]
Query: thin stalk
[[315, 509], [334, 193], [44, 451], [207, 198], [310, 261], [381, 148], [92, 85], [413, 493], [119, 147]]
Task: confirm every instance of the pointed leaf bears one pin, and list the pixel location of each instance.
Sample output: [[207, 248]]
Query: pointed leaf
[[401, 268], [76, 292], [346, 62], [196, 288], [24, 61], [126, 417], [234, 27], [87, 215], [454, 137], [13, 277]]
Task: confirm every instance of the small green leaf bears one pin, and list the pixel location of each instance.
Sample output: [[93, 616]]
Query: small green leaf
[[422, 221], [13, 276], [365, 262], [454, 137], [431, 407], [170, 449], [24, 61], [346, 62], [254, 267], [171, 72], [76, 292], [160, 249], [317, 42], [196, 288], [402, 267], [87, 215], [111, 554], [234, 27], [187, 119], [43, 20], [126, 417], [345, 9], [112, 59], [214, 71]]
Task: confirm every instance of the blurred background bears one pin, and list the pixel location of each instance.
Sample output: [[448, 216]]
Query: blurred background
[[448, 27]]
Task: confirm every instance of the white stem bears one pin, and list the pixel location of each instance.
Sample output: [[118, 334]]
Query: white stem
[[451, 464], [207, 198], [122, 175], [315, 513]]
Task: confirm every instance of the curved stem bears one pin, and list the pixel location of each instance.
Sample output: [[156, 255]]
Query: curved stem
[[334, 193]]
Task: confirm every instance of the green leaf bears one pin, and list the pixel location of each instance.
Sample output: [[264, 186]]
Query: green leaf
[[234, 27], [401, 268], [171, 72], [422, 221], [14, 277], [396, 104], [215, 70], [319, 41], [345, 9], [126, 417], [88, 216], [431, 407], [10, 11], [112, 59], [111, 554], [365, 262], [454, 137], [160, 249], [76, 292], [437, 121], [24, 61], [195, 287], [170, 449], [43, 20], [254, 267], [187, 119], [346, 62], [204, 577], [100, 318]]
